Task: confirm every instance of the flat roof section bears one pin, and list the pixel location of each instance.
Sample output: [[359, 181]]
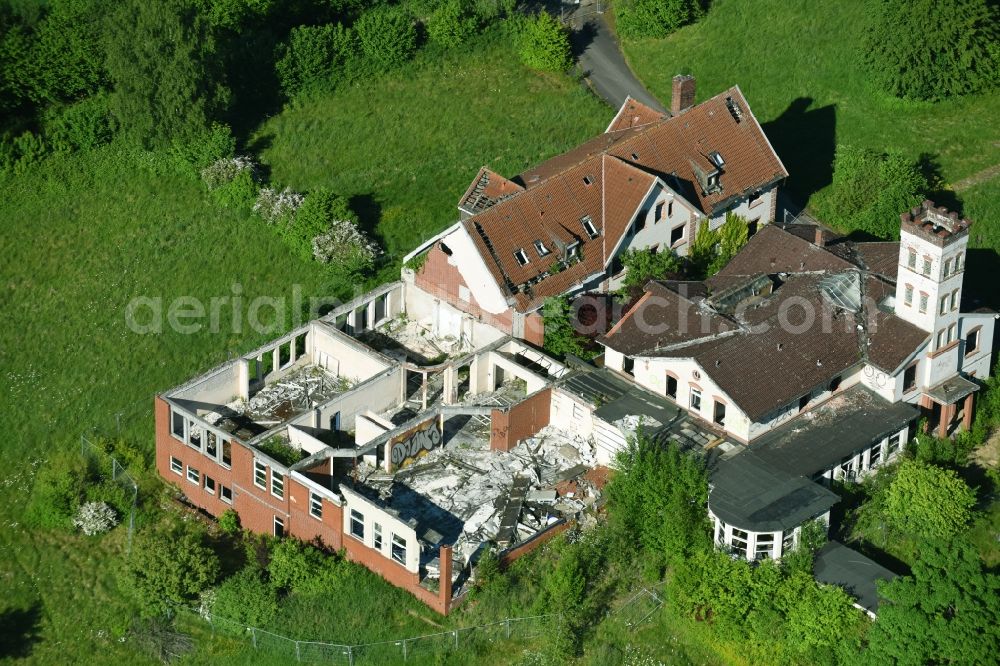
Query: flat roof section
[[845, 424], [749, 494], [836, 564]]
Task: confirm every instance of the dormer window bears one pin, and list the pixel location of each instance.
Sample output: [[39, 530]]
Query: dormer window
[[713, 181], [716, 159], [588, 180], [541, 249], [588, 226], [521, 256], [572, 252]]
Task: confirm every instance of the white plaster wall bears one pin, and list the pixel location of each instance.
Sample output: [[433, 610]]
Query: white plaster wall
[[466, 258], [378, 394], [569, 413], [305, 441], [933, 284], [445, 319], [978, 363], [391, 525], [218, 387], [355, 360], [888, 386], [759, 210]]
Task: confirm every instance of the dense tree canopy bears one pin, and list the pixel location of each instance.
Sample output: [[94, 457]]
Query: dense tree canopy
[[946, 612], [928, 501], [931, 49], [655, 18], [545, 44]]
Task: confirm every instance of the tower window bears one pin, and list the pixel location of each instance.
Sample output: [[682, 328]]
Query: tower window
[[908, 295], [947, 267], [923, 302], [944, 304], [911, 259], [954, 300], [927, 266]]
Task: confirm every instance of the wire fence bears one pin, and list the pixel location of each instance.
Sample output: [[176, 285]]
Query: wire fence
[[120, 476], [413, 648]]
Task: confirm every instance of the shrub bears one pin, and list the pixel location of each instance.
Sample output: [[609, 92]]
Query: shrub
[[645, 265], [544, 44], [276, 207], [59, 488], [95, 518], [229, 522], [312, 55], [206, 147], [387, 37], [80, 126], [245, 597], [318, 210], [561, 336], [28, 148], [932, 49], [345, 247], [870, 190], [928, 501], [304, 568], [172, 565], [453, 23], [223, 171], [655, 18]]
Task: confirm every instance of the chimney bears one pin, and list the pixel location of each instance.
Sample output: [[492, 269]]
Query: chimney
[[444, 583], [820, 236], [682, 95]]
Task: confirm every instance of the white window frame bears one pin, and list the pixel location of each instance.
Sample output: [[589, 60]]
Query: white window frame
[[176, 466], [223, 492], [400, 543], [260, 468], [316, 505], [191, 471], [278, 484], [377, 536], [278, 521], [695, 397], [908, 294], [174, 414], [521, 257], [210, 485], [356, 516], [589, 226]]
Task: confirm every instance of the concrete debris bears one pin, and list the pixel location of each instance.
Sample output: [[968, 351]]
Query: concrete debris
[[417, 338], [293, 394]]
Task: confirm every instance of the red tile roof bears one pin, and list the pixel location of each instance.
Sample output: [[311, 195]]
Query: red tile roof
[[634, 113], [487, 189]]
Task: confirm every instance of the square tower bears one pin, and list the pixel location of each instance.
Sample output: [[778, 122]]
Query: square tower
[[933, 243]]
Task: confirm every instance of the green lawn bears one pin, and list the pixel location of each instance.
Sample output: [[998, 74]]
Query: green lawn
[[796, 62], [86, 233]]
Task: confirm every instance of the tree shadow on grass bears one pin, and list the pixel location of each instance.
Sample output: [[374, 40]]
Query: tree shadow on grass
[[19, 631], [369, 212], [806, 141]]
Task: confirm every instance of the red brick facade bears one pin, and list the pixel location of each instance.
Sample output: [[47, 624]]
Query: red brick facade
[[258, 508], [509, 426]]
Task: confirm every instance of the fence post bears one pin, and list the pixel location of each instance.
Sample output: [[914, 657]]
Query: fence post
[[456, 639], [350, 656], [298, 656], [507, 622], [253, 634]]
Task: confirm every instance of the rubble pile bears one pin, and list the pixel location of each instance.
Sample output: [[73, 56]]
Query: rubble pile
[[419, 339], [292, 394]]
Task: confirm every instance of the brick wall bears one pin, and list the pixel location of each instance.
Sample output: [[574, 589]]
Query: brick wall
[[441, 279], [520, 421], [507, 557], [534, 329]]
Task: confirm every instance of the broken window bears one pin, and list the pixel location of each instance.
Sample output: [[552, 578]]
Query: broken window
[[541, 249], [194, 476], [398, 549], [972, 342], [277, 484], [676, 235], [893, 444], [259, 474], [210, 485], [226, 494], [521, 256], [628, 365], [357, 524], [175, 466], [177, 425], [588, 226], [910, 378], [754, 196], [211, 444], [671, 387], [227, 453], [377, 536], [194, 435], [658, 213], [640, 223], [719, 413], [279, 527], [695, 400], [875, 456]]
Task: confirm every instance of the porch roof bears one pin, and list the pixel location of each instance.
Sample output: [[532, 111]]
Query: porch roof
[[951, 390], [819, 439]]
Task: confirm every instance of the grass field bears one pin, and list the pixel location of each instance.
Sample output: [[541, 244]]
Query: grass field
[[796, 62], [86, 233]]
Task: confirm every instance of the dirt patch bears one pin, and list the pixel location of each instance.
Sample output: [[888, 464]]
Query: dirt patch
[[987, 456]]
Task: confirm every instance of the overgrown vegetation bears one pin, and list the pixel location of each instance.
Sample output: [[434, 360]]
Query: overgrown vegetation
[[655, 18], [544, 43], [561, 335], [956, 53], [711, 249]]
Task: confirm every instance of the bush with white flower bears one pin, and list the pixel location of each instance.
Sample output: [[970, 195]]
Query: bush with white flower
[[226, 170], [274, 206], [95, 518], [345, 246]]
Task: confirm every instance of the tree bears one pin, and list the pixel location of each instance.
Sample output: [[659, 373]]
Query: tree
[[452, 23], [387, 36], [655, 18], [644, 265], [545, 44], [172, 565], [732, 236], [561, 337], [946, 611], [311, 57], [870, 190], [928, 501], [318, 210], [67, 53], [165, 75], [246, 597], [932, 49]]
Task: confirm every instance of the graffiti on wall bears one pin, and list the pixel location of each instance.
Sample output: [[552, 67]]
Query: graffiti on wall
[[406, 448]]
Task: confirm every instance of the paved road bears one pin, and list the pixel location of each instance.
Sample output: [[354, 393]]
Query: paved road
[[604, 66]]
